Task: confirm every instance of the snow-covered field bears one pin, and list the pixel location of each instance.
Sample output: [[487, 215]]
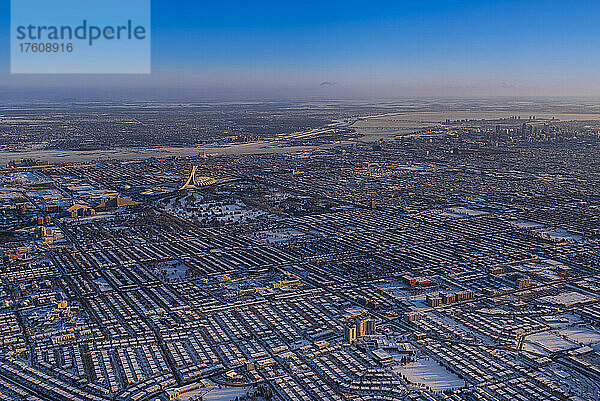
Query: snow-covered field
[[467, 212], [195, 207], [173, 269], [560, 234], [569, 298], [549, 342], [216, 394], [552, 233], [427, 372], [581, 335]]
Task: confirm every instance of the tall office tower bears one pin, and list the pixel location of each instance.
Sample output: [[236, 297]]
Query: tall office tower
[[370, 327], [350, 334], [360, 328]]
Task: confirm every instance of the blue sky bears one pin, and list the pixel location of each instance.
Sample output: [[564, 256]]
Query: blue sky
[[378, 48]]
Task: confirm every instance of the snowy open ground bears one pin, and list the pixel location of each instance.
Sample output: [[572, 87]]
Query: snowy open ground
[[581, 335], [174, 269], [429, 373], [553, 233], [467, 212], [194, 207], [216, 394], [569, 298], [549, 342], [561, 234]]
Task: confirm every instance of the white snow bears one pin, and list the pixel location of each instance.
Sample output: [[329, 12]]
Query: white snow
[[550, 342], [569, 298], [581, 335], [216, 394], [427, 372]]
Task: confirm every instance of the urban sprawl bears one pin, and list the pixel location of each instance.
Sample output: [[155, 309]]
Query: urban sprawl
[[456, 261]]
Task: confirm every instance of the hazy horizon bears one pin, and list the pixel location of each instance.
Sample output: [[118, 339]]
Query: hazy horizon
[[345, 50]]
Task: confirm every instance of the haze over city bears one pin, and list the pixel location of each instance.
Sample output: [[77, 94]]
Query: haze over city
[[277, 201]]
